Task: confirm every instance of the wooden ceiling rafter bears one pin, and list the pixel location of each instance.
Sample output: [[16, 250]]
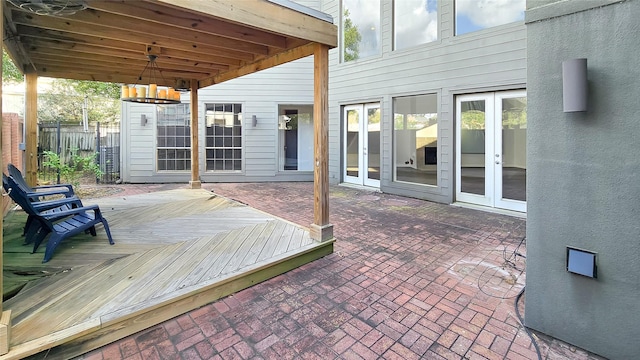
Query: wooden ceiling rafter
[[210, 41], [186, 20]]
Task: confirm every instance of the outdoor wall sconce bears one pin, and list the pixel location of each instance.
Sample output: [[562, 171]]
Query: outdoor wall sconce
[[574, 85], [254, 120], [143, 119]]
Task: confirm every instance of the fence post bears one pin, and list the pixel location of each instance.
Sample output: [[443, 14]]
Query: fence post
[[98, 149], [58, 147]]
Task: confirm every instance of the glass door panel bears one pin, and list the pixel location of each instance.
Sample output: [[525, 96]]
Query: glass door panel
[[472, 152], [372, 146], [474, 149], [352, 144], [511, 170]]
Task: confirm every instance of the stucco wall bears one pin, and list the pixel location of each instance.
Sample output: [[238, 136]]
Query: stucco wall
[[584, 176]]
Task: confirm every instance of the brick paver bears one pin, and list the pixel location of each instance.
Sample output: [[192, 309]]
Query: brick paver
[[409, 279]]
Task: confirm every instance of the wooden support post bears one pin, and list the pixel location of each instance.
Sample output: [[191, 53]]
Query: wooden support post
[[5, 318], [31, 125], [321, 230], [195, 160]]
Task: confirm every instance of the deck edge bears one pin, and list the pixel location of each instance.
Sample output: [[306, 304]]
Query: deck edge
[[113, 328]]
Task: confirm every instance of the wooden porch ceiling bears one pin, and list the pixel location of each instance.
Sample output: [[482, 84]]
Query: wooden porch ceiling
[[210, 41]]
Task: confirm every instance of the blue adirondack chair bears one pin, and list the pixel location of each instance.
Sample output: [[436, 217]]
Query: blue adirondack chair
[[43, 206], [60, 224], [39, 192]]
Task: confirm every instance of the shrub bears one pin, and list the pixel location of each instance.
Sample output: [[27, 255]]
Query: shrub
[[77, 168]]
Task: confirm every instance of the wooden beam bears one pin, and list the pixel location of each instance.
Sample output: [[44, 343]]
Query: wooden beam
[[105, 46], [136, 65], [195, 159], [123, 68], [129, 31], [269, 62], [116, 75], [321, 230], [2, 166], [5, 317], [264, 15], [31, 126], [186, 20]]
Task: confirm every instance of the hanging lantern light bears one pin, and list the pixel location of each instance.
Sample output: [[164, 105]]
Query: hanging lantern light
[[151, 93]]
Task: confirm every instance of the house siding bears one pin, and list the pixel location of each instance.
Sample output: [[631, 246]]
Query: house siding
[[487, 60], [259, 93]]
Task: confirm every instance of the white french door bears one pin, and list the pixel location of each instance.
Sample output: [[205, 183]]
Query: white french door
[[361, 142], [491, 158]]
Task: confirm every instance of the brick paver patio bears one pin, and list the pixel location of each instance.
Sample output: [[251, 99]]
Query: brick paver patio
[[409, 279]]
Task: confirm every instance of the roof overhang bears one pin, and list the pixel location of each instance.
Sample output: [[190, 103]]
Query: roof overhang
[[210, 41]]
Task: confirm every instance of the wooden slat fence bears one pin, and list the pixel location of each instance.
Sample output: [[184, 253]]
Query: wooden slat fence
[[67, 139]]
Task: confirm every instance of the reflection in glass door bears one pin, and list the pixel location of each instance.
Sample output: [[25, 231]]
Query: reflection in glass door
[[491, 149], [362, 144]]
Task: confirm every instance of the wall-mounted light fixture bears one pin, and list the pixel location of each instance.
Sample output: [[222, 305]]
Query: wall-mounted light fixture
[[574, 85], [143, 119], [254, 120]]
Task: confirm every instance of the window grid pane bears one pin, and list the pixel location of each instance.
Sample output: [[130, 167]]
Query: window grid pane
[[223, 142], [173, 139]]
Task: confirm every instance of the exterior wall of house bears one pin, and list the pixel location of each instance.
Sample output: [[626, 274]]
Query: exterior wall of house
[[584, 168], [260, 94], [12, 129], [487, 60]]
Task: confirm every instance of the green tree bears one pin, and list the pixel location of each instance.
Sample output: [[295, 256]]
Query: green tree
[[351, 38], [65, 99], [10, 72]]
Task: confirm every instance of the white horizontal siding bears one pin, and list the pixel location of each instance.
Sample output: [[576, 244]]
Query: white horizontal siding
[[488, 59], [259, 93]]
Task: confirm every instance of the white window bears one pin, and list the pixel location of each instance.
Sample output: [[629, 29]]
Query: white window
[[474, 15], [173, 137], [360, 29], [223, 137], [415, 135], [415, 22]]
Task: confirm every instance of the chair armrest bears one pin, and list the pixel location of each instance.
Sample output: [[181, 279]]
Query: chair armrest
[[36, 195], [50, 204], [67, 187], [70, 212]]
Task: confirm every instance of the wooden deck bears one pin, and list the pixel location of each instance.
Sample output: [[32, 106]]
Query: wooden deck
[[175, 251]]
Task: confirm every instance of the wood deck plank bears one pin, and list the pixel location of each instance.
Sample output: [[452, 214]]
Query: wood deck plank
[[145, 273], [175, 251], [272, 242], [56, 302], [179, 263], [282, 245], [106, 287], [262, 241], [215, 266], [224, 241]]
